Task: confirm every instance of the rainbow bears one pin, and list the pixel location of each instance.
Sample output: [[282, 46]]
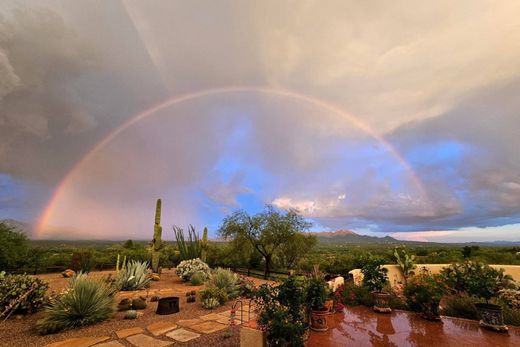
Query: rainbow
[[62, 186]]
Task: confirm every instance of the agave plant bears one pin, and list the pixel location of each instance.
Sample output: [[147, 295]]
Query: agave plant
[[87, 301], [133, 276], [226, 280]]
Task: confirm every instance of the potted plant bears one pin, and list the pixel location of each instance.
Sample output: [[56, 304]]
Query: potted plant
[[424, 293], [485, 282], [316, 296], [375, 278]]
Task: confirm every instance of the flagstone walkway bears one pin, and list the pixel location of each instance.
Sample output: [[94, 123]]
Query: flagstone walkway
[[163, 334]]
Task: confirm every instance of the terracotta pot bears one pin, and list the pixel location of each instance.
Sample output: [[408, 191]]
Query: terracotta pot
[[381, 300], [319, 320], [492, 317], [430, 311]]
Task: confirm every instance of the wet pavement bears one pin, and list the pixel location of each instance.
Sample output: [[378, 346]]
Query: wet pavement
[[360, 326]]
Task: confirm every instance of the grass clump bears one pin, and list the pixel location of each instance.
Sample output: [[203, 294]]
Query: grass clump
[[87, 301], [197, 279]]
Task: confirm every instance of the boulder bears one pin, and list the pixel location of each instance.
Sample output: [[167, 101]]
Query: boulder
[[68, 273]]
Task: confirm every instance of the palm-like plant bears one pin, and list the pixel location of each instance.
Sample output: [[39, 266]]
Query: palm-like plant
[[87, 301], [133, 276]]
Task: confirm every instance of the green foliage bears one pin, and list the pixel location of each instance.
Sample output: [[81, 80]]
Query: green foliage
[[197, 279], [133, 276], [266, 232], [14, 287], [374, 274], [210, 303], [246, 287], [511, 315], [82, 261], [317, 293], [423, 290], [510, 297], [216, 293], [295, 249], [226, 280], [282, 312], [156, 244], [462, 306], [476, 279], [87, 301], [406, 262], [13, 247], [188, 268], [204, 244], [191, 248], [352, 295]]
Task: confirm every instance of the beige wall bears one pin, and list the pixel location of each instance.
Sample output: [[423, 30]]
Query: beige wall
[[395, 277]]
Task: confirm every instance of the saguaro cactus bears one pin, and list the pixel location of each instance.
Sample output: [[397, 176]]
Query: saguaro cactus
[[204, 245], [156, 243]]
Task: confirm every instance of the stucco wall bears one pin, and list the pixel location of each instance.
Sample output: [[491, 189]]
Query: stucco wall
[[395, 277]]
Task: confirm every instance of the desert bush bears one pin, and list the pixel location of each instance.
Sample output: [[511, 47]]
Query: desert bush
[[510, 297], [187, 268], [13, 287], [87, 301], [197, 279], [462, 306], [352, 295], [511, 315], [423, 290], [82, 261], [246, 287], [226, 280], [215, 293], [133, 276], [210, 303]]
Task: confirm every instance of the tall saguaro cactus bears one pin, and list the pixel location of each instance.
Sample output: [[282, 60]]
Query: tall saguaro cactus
[[204, 245], [156, 243]]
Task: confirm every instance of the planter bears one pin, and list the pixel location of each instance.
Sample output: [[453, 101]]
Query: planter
[[381, 300], [168, 305], [319, 320], [430, 311], [492, 317]]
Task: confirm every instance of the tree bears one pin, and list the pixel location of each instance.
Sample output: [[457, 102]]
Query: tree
[[267, 231], [298, 246], [13, 247]]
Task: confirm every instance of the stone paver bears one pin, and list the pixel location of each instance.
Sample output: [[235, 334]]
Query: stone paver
[[79, 342], [208, 327], [161, 328], [141, 340], [130, 331], [211, 316], [110, 344], [189, 322], [182, 335], [225, 320], [227, 313]]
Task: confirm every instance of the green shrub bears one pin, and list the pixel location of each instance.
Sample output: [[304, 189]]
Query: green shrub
[[215, 293], [13, 287], [187, 268], [423, 290], [374, 274], [226, 280], [87, 301], [511, 315], [133, 276], [317, 293], [462, 306], [197, 279], [246, 287], [352, 295], [210, 303]]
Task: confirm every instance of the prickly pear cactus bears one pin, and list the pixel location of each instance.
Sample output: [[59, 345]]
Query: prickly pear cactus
[[156, 243], [204, 245]]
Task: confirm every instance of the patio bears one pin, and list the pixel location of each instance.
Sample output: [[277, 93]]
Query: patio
[[360, 326]]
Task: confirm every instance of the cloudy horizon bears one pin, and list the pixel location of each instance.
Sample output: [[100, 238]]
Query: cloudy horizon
[[382, 118]]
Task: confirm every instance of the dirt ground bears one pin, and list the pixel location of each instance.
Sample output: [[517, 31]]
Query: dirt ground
[[20, 331]]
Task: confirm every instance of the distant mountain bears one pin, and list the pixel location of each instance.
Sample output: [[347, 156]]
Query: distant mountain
[[348, 236], [26, 228]]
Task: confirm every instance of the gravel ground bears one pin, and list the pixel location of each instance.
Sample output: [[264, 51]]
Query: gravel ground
[[19, 330]]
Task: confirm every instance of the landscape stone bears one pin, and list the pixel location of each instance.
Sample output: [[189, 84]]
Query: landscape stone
[[211, 316], [189, 322], [141, 340], [161, 328], [208, 327], [127, 332], [79, 342], [110, 344], [182, 335]]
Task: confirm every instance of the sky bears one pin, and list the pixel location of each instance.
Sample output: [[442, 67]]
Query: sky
[[374, 116]]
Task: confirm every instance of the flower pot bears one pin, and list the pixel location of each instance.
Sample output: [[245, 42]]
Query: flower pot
[[319, 320], [430, 310], [492, 317], [381, 300]]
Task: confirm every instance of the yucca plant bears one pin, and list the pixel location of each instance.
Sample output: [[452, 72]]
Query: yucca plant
[[87, 301], [133, 276], [226, 280]]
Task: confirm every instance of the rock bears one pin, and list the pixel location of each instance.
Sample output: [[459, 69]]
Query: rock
[[155, 298], [155, 277], [68, 273], [138, 304], [124, 305], [131, 314]]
